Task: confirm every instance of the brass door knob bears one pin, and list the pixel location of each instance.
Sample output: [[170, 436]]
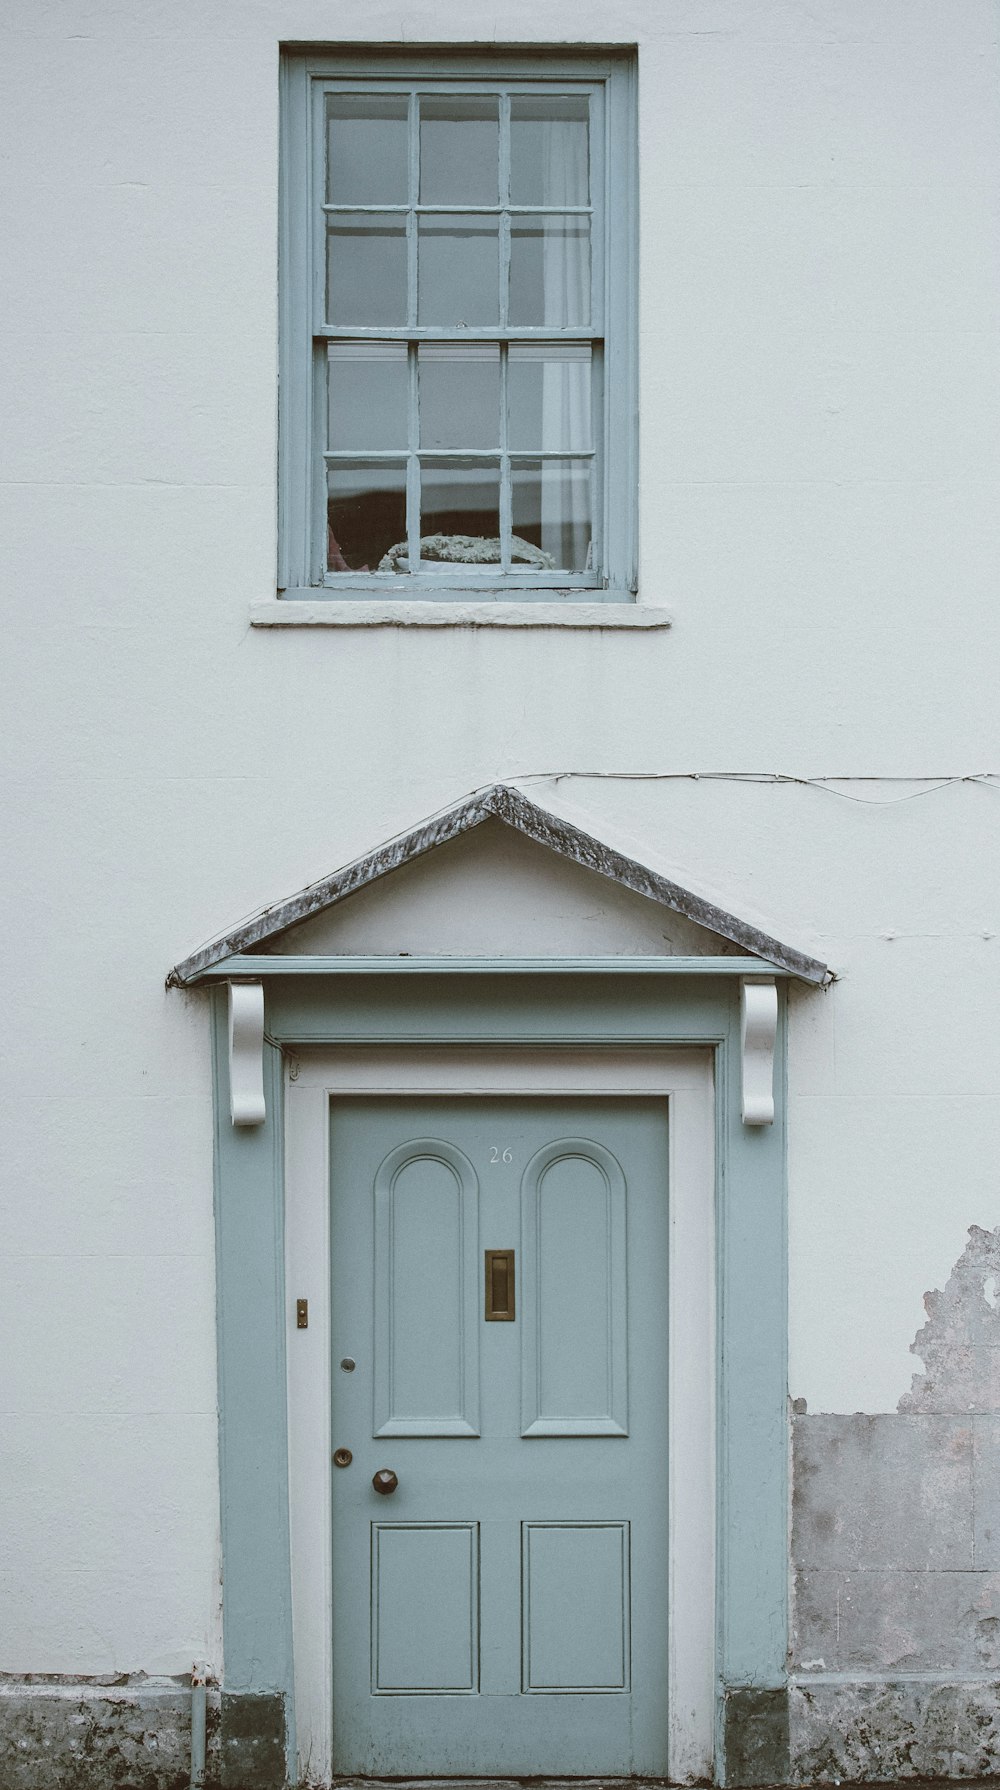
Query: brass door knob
[[385, 1481]]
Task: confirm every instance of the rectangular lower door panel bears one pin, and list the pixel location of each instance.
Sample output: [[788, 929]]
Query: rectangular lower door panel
[[575, 1610], [425, 1607]]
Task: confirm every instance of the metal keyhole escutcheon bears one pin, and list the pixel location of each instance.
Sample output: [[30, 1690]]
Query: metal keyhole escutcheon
[[342, 1457], [385, 1481]]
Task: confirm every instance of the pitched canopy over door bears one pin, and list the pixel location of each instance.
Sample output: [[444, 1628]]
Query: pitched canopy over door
[[496, 876]]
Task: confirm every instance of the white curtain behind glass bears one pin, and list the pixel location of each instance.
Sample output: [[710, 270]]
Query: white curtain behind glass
[[565, 378]]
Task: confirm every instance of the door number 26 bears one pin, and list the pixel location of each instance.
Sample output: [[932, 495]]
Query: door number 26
[[498, 1155]]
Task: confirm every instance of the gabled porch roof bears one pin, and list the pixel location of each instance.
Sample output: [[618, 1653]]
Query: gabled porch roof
[[509, 804]]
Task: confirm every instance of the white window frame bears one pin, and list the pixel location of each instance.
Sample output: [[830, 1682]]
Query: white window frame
[[307, 75]]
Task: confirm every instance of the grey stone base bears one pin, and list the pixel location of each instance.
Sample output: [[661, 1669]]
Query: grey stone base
[[85, 1735], [134, 1734], [870, 1731], [252, 1742], [835, 1729], [755, 1735]]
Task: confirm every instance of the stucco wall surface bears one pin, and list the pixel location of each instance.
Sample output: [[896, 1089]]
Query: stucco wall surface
[[820, 378]]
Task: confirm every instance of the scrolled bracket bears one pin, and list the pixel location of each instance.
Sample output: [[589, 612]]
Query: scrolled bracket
[[246, 1053], [758, 1031]]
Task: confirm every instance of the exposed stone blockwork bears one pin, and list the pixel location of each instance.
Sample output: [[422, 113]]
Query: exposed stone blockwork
[[882, 1732], [135, 1734], [86, 1735], [896, 1551]]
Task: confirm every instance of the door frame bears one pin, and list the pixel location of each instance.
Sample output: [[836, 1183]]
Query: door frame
[[683, 1079], [520, 1007]]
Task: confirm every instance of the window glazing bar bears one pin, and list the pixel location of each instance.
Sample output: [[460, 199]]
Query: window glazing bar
[[413, 178], [506, 501], [412, 461], [487, 211], [452, 332], [368, 456]]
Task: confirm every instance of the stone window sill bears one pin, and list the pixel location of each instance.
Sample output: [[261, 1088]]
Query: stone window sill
[[385, 613]]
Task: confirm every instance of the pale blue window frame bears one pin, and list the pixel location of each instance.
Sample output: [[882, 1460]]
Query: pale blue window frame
[[307, 77]]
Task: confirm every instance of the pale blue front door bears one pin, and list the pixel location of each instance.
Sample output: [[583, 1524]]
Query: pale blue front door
[[503, 1610]]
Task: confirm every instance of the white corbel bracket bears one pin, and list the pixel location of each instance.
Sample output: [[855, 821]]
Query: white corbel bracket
[[758, 1030], [246, 1053]]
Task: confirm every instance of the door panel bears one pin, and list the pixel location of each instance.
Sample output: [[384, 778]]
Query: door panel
[[426, 1272], [574, 1361], [425, 1607], [504, 1611], [575, 1606]]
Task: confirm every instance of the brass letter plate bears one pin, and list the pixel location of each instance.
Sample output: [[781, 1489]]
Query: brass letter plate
[[499, 1286]]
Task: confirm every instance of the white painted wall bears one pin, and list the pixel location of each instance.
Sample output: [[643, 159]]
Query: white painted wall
[[820, 376]]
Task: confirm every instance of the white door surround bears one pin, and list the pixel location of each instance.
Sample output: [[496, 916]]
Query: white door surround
[[684, 1077]]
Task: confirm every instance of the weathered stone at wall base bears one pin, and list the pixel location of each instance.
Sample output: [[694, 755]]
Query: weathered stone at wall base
[[134, 1734], [879, 1732], [755, 1724], [252, 1740]]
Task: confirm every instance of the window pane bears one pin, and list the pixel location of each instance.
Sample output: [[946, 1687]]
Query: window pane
[[548, 396], [458, 278], [459, 150], [367, 395], [460, 396], [366, 270], [550, 271], [366, 514], [460, 512], [551, 508], [366, 149], [549, 150]]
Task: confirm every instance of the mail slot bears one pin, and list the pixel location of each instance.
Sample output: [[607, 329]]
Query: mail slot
[[499, 1286]]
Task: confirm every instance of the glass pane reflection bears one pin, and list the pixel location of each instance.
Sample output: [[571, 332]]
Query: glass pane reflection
[[550, 271], [366, 149], [366, 513], [551, 508], [366, 270], [548, 396], [460, 395], [461, 500], [549, 149], [367, 395], [458, 277], [459, 150]]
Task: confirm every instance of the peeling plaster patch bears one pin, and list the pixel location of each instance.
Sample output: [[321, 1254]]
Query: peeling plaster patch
[[896, 1550], [882, 1494], [960, 1342], [899, 1622]]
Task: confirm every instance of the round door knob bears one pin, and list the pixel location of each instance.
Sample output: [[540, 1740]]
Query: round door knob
[[385, 1481]]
